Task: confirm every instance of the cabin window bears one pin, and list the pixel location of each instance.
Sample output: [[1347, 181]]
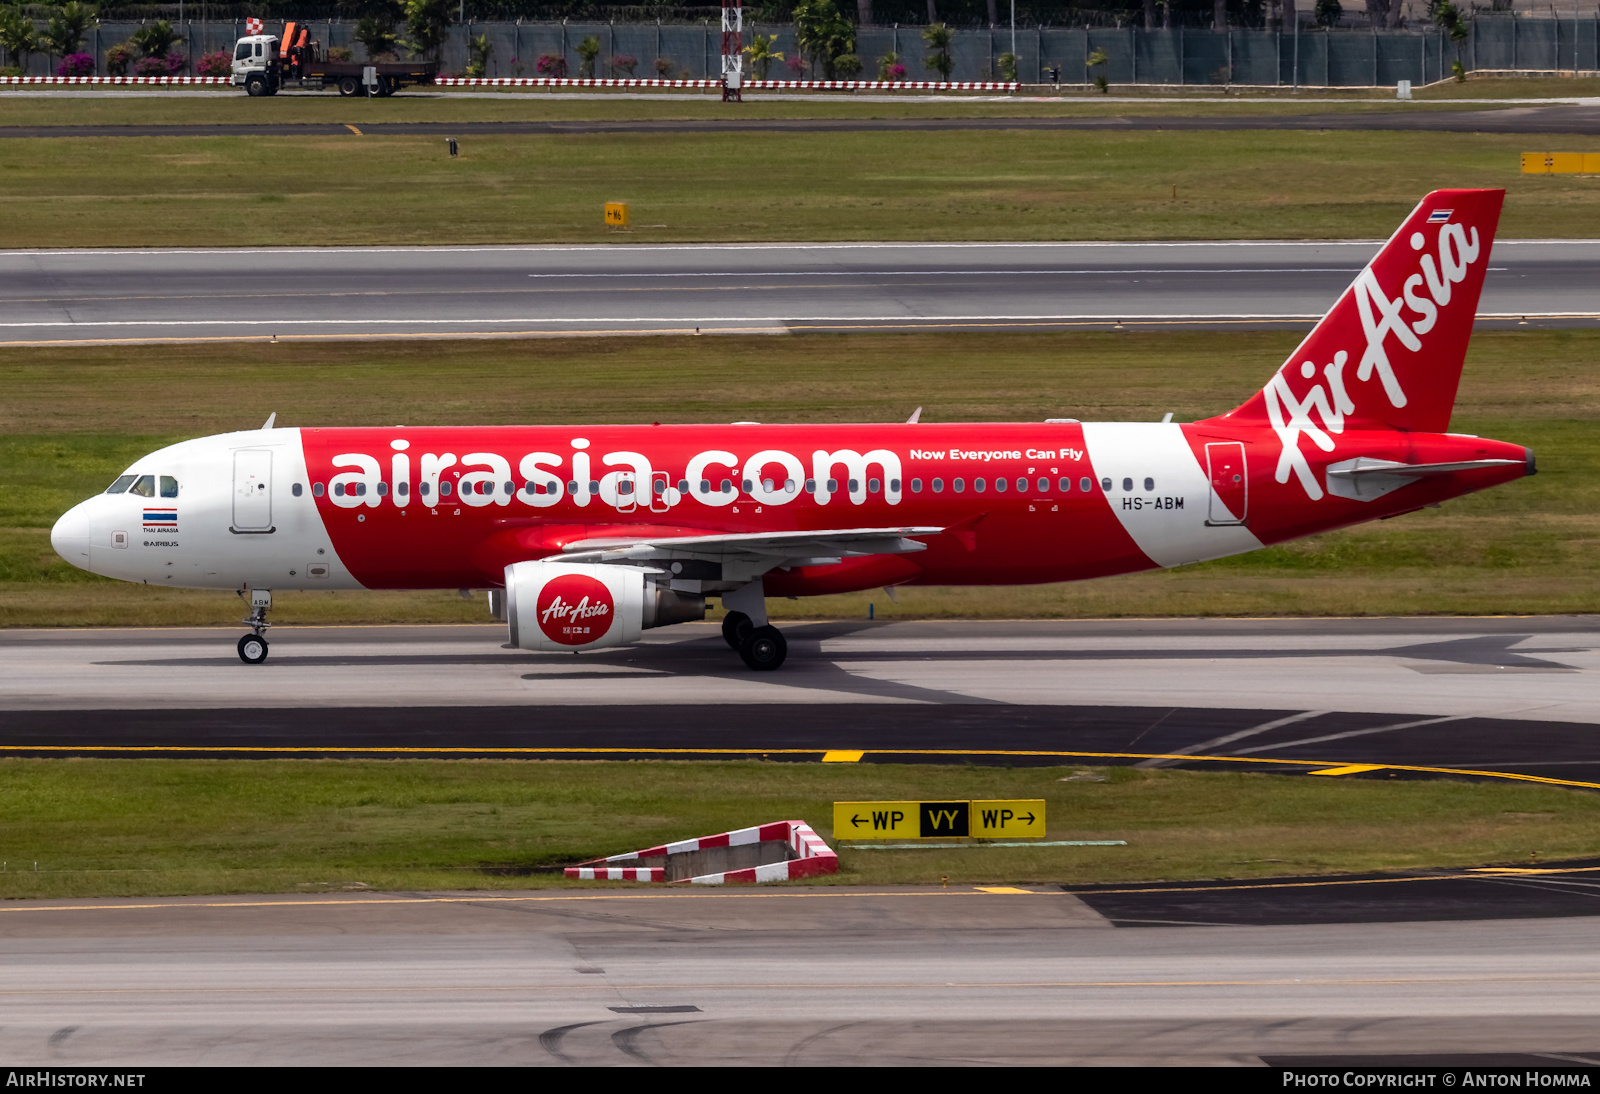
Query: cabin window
[[572, 487], [660, 487], [894, 486], [169, 486], [958, 485], [727, 486], [402, 488], [745, 485], [624, 487], [1000, 486], [444, 489], [383, 490], [811, 486], [145, 486], [1086, 484], [872, 486], [705, 486], [338, 489], [316, 489], [766, 484], [1149, 484], [833, 486], [297, 490], [938, 486], [422, 488], [361, 489], [1105, 484], [683, 486], [121, 484], [1063, 485], [790, 486], [916, 486], [980, 485], [594, 487]]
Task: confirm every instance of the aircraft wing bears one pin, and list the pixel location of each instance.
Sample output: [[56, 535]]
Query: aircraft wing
[[769, 548]]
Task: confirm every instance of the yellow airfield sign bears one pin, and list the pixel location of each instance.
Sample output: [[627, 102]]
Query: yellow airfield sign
[[902, 820]]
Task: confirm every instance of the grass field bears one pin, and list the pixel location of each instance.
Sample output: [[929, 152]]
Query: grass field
[[146, 827], [1528, 547], [977, 184]]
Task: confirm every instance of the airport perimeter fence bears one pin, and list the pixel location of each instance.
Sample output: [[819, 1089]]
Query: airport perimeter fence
[[1307, 58]]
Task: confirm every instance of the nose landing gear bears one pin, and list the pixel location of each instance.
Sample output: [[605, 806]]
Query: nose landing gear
[[253, 646]]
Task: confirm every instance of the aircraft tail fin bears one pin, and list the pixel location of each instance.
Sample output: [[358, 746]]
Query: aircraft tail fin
[[1389, 353]]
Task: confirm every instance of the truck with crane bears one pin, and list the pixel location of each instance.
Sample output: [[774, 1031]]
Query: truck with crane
[[264, 64]]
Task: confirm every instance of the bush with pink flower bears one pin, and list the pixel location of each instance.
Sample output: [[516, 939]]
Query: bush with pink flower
[[552, 65], [76, 64], [219, 63]]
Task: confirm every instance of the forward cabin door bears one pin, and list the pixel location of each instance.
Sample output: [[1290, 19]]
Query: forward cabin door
[[1230, 483], [252, 490]]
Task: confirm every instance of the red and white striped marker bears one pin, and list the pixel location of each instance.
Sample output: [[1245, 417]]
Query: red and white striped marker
[[815, 857], [252, 26]]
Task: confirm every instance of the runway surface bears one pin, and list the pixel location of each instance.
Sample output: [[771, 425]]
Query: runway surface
[[77, 297], [1581, 117], [809, 976], [1382, 698]]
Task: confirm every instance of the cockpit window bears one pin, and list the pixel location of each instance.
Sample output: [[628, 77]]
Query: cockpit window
[[121, 484], [145, 487], [169, 486]]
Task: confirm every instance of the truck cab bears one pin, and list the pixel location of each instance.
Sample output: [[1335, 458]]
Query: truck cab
[[255, 64]]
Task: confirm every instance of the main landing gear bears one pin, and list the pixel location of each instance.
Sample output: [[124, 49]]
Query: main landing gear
[[761, 648], [253, 646]]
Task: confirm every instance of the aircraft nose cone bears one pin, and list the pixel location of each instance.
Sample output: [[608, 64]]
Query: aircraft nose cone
[[70, 536]]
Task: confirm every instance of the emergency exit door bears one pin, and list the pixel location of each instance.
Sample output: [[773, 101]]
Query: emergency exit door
[[1230, 483]]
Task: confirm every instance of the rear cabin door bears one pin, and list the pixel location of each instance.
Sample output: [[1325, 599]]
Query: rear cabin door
[[1229, 482], [252, 490]]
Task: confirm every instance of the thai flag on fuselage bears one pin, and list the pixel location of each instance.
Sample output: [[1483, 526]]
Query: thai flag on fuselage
[[161, 516]]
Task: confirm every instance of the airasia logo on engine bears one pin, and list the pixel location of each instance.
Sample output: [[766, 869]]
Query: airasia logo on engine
[[575, 609]]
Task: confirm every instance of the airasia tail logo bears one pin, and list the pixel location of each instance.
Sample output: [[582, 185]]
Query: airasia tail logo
[[1404, 317], [575, 609]]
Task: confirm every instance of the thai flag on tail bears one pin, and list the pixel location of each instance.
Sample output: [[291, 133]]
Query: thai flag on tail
[[1439, 216]]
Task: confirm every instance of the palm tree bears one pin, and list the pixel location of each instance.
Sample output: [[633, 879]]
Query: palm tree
[[762, 54], [938, 38], [156, 39], [66, 28], [18, 35]]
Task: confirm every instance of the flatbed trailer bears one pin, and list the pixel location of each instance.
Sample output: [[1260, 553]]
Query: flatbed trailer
[[264, 64]]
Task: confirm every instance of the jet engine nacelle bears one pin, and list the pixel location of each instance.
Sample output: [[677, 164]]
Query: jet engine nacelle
[[565, 606]]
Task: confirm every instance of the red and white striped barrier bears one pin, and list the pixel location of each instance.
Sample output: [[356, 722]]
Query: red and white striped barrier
[[59, 80], [550, 81], [754, 85], [814, 857]]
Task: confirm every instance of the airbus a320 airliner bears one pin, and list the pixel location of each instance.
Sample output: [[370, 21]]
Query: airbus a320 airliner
[[588, 535]]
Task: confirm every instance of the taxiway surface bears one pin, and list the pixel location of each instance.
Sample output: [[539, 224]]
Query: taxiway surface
[[1508, 695], [951, 976], [76, 297]]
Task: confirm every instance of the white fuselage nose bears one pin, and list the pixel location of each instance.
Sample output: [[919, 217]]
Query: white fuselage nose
[[220, 512], [73, 532]]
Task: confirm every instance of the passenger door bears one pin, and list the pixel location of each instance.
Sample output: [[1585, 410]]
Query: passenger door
[[1230, 484], [252, 491]]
